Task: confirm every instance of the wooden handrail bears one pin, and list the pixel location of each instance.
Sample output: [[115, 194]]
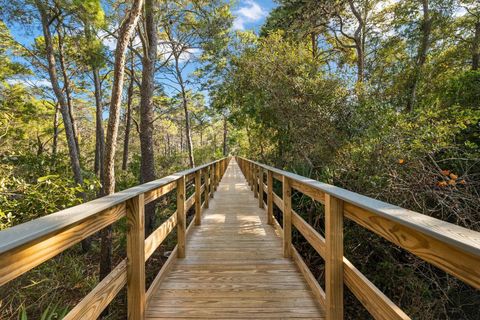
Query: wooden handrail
[[452, 248], [27, 245]]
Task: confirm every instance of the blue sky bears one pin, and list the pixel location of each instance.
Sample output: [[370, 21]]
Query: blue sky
[[251, 14]]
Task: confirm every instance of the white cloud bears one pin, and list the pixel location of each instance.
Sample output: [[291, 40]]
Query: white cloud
[[164, 50], [30, 82], [249, 12]]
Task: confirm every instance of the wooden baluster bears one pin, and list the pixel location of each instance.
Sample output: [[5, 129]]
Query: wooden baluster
[[251, 176], [287, 217], [181, 217], [212, 180], [198, 198], [215, 176], [220, 170], [269, 197], [334, 257], [260, 187], [207, 190], [136, 257], [255, 181]]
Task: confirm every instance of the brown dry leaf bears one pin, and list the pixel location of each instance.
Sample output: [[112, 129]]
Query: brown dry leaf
[[442, 183], [452, 182], [453, 176], [445, 172], [401, 161]]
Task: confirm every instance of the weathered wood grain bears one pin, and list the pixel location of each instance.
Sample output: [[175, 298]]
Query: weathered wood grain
[[334, 257], [309, 233], [269, 198], [156, 238], [278, 201], [136, 258], [15, 262], [198, 198], [454, 235], [181, 218], [234, 266], [100, 297], [309, 277], [157, 193], [287, 218], [450, 258], [377, 304]]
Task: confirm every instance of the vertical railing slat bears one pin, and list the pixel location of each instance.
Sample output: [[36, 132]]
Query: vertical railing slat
[[198, 197], [136, 258], [260, 187], [287, 217], [251, 175], [255, 181], [334, 257], [181, 217], [212, 180], [207, 188], [270, 197]]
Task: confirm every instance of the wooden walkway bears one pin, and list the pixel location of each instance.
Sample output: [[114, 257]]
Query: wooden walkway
[[234, 267]]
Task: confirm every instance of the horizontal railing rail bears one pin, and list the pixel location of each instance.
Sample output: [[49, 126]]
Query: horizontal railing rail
[[451, 248], [27, 245]]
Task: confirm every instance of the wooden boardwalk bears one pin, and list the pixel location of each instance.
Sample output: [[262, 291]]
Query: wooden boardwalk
[[234, 267]]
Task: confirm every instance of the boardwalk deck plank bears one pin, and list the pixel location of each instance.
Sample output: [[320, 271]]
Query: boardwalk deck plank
[[234, 266]]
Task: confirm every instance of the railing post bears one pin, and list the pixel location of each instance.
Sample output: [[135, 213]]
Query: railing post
[[255, 181], [212, 180], [260, 187], [198, 198], [207, 188], [251, 175], [334, 257], [269, 197], [181, 218], [136, 257], [215, 176], [287, 217]]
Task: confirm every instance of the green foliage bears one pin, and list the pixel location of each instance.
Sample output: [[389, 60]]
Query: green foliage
[[32, 186], [51, 313], [276, 86]]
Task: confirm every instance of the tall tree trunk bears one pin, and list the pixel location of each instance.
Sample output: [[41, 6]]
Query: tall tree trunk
[[147, 165], [128, 123], [225, 133], [359, 39], [313, 39], [125, 33], [181, 139], [476, 47], [99, 133], [66, 87], [421, 55], [188, 134], [55, 132], [86, 243], [52, 71]]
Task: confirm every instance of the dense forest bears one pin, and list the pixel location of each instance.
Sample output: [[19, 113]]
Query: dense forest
[[380, 97]]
